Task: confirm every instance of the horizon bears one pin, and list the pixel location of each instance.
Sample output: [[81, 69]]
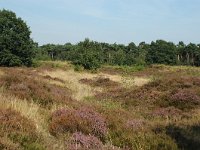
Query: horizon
[[60, 22]]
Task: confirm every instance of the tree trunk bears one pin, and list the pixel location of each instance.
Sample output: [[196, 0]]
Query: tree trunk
[[188, 58]]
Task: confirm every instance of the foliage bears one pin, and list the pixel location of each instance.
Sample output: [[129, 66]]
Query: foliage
[[161, 52], [86, 56], [16, 46], [91, 54]]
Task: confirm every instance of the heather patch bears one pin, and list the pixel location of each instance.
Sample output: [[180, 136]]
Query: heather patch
[[18, 131], [169, 112], [100, 82], [80, 141], [83, 120], [28, 85]]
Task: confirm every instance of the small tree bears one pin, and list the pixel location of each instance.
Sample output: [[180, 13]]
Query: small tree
[[87, 55], [88, 59], [16, 46]]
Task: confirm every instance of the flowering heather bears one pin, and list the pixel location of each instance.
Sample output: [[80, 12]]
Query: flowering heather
[[80, 141], [16, 131], [28, 85], [135, 124], [83, 120], [165, 112], [184, 99], [196, 81], [12, 121], [100, 82], [186, 96]]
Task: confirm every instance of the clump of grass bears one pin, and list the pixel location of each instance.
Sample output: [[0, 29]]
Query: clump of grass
[[6, 143]]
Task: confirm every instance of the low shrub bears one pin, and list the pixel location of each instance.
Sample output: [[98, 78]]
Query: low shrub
[[135, 124], [100, 82], [83, 120], [184, 99], [19, 131], [80, 141], [166, 112]]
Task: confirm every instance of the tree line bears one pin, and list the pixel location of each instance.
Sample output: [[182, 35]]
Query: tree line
[[92, 54]]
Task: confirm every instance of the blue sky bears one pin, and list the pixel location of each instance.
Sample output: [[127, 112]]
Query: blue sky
[[120, 21]]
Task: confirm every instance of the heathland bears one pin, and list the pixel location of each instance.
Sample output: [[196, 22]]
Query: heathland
[[51, 106]]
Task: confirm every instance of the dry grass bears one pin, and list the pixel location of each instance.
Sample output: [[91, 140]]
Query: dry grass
[[1, 73], [140, 81], [80, 91], [71, 78], [33, 112], [27, 109]]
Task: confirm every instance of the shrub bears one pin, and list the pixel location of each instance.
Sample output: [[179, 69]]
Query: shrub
[[83, 120], [166, 112], [135, 124], [86, 56], [100, 82], [88, 61], [80, 141], [184, 99], [18, 130]]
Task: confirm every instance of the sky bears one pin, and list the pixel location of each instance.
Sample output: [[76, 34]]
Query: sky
[[120, 21]]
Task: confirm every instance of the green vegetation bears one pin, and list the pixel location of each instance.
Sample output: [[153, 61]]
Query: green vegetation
[[91, 54], [16, 47]]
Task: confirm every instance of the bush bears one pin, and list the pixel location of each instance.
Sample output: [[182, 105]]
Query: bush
[[184, 99], [80, 141], [88, 59], [78, 68], [82, 120], [166, 112], [17, 130]]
